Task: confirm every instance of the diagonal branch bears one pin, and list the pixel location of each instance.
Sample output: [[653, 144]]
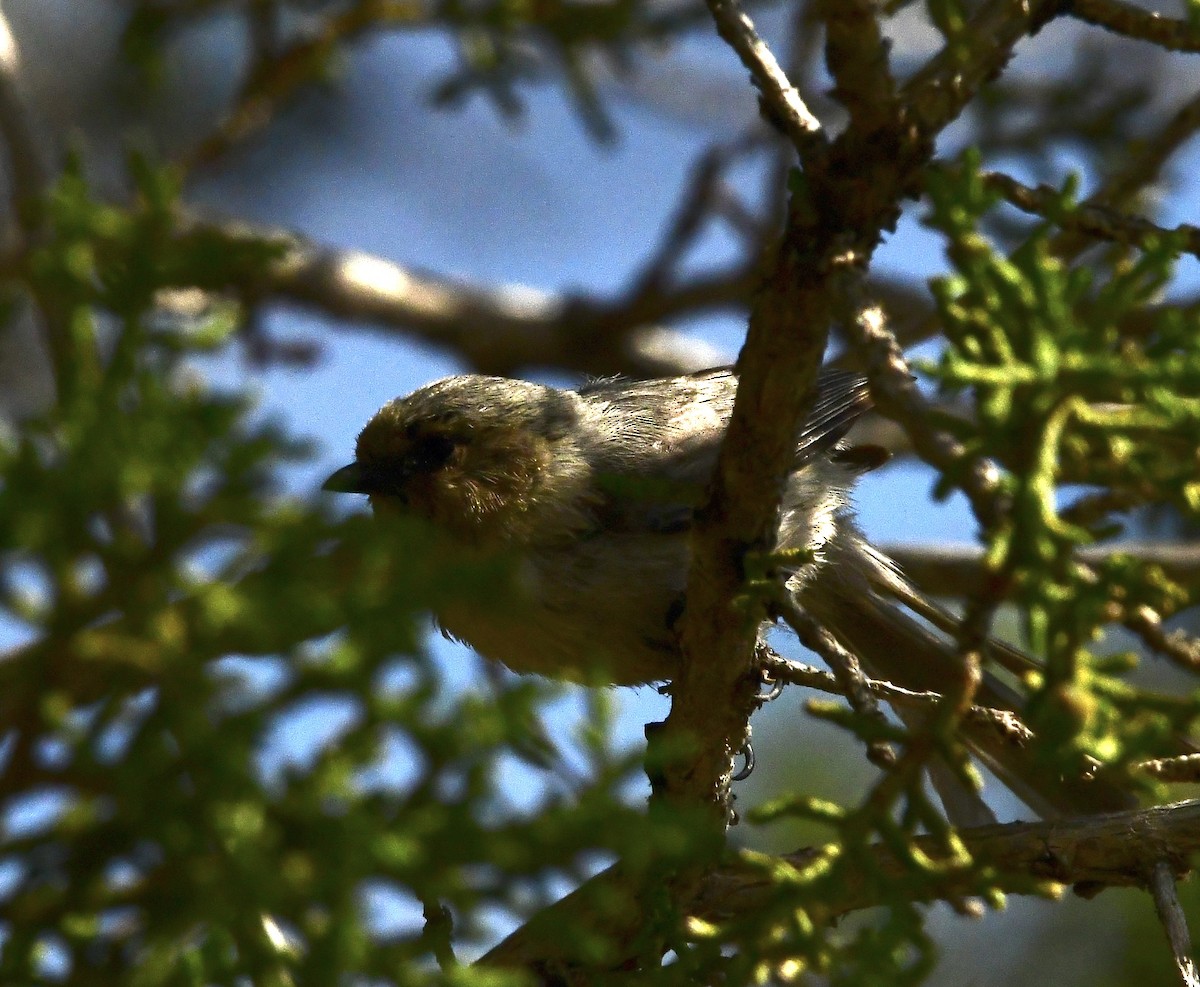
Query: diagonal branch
[[850, 194], [781, 100], [937, 93], [1146, 161], [1174, 923], [1134, 22]]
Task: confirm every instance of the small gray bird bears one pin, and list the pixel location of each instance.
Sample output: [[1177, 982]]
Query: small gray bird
[[593, 492]]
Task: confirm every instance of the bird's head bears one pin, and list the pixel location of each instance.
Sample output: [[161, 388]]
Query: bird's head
[[484, 458]]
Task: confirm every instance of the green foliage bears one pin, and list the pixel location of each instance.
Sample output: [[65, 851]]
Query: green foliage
[[177, 611], [1065, 395]]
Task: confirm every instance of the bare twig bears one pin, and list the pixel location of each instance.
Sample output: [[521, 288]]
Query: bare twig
[[1004, 722], [896, 396], [781, 98], [1184, 769], [1134, 22], [851, 679], [1178, 646], [1174, 922], [274, 80], [1147, 160], [936, 94], [705, 196]]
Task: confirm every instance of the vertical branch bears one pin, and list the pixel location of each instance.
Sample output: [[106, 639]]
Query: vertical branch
[[778, 367]]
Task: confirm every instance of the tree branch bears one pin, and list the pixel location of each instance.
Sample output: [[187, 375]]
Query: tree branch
[[856, 55], [1148, 158], [896, 396], [1133, 22], [275, 75], [783, 102], [937, 93], [1099, 222], [1004, 722], [1120, 849], [850, 194], [524, 327]]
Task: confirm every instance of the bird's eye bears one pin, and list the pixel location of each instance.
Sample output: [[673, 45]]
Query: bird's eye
[[431, 452]]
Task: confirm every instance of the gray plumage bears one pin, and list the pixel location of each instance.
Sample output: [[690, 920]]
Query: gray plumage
[[593, 492]]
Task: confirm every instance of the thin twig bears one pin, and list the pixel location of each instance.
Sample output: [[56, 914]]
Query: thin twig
[[1174, 922], [1151, 155], [1184, 769], [896, 396], [937, 93], [272, 81], [784, 104], [851, 679], [1145, 163], [1098, 222], [1177, 646], [1134, 22], [1005, 722], [704, 197]]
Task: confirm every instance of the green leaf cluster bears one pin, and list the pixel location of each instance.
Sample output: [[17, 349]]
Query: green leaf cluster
[[1082, 381]]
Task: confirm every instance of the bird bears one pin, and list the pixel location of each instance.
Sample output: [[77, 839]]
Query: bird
[[591, 493]]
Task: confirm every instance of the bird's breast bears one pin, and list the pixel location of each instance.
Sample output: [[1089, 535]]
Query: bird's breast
[[597, 611]]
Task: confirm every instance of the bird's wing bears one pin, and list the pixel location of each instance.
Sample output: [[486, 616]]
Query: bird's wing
[[659, 440]]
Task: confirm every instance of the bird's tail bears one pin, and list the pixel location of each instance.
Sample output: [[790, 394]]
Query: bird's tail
[[860, 596]]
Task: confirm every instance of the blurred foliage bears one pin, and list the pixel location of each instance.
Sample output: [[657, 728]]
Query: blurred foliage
[[501, 45], [179, 611]]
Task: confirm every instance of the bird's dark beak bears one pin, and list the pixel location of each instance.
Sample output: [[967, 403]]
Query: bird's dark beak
[[349, 479]]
